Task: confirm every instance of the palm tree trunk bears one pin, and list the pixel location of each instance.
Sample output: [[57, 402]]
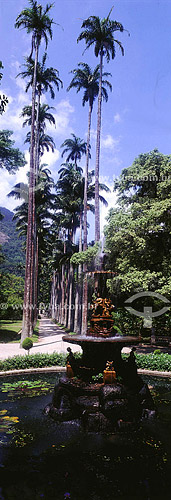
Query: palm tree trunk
[[53, 295], [35, 248], [36, 280], [97, 208], [27, 328], [59, 298], [70, 311], [67, 297], [86, 180], [63, 289], [85, 287], [77, 315], [84, 302], [56, 316]]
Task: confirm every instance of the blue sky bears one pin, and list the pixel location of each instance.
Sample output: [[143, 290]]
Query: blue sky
[[136, 118]]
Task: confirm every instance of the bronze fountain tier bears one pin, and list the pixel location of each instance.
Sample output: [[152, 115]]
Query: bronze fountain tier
[[121, 394], [100, 344]]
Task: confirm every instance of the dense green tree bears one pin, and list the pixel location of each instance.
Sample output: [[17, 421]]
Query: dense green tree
[[138, 233], [10, 158], [11, 296], [100, 33]]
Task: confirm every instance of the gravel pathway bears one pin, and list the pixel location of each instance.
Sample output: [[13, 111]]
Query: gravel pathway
[[50, 340]]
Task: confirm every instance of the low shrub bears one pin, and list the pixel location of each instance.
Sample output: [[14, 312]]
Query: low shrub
[[150, 361], [145, 361], [27, 344], [33, 361]]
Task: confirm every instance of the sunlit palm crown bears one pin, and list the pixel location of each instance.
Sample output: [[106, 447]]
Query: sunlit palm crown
[[100, 32], [36, 20], [44, 114], [88, 79], [45, 77], [76, 148]]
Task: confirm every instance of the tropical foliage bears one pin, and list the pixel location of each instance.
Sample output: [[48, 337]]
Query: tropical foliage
[[138, 231], [11, 296], [10, 158]]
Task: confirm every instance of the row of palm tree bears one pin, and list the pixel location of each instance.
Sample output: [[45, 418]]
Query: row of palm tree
[[36, 21], [100, 34]]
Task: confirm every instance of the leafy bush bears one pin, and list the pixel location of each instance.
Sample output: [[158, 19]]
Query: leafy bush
[[153, 362], [33, 361], [11, 296], [146, 361], [157, 351], [126, 323], [27, 343], [97, 378]]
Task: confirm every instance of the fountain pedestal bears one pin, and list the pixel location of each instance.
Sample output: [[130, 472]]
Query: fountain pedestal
[[96, 352], [100, 407]]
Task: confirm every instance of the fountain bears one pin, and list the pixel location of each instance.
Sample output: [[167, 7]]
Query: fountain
[[118, 396]]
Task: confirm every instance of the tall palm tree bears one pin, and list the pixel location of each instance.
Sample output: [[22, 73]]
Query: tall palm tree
[[76, 148], [44, 203], [36, 21], [100, 33], [46, 79], [44, 114], [70, 195], [45, 142], [88, 80]]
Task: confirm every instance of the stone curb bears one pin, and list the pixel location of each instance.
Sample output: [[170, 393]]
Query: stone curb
[[155, 373], [47, 369]]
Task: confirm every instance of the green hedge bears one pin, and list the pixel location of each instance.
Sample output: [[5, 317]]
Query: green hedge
[[160, 362], [33, 361]]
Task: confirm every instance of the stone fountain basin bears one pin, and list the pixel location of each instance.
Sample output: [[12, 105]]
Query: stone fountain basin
[[98, 350], [81, 339]]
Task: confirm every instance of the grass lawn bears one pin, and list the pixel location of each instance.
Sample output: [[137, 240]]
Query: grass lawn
[[9, 331]]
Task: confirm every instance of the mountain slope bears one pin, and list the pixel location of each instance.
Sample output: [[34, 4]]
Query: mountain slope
[[11, 245]]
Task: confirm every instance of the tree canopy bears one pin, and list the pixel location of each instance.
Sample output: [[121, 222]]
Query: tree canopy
[[10, 158], [138, 232]]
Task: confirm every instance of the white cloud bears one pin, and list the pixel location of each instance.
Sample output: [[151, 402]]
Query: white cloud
[[62, 118], [51, 160], [7, 182], [117, 118], [12, 120], [109, 142]]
